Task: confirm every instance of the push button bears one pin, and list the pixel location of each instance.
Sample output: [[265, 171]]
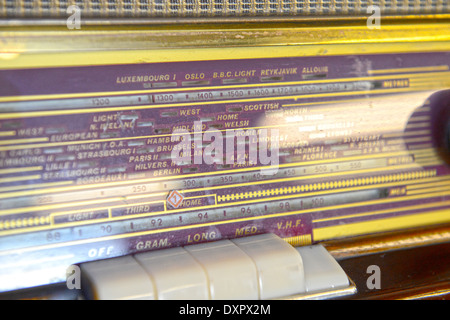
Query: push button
[[322, 272], [116, 279], [231, 273], [279, 265], [175, 273], [257, 267]]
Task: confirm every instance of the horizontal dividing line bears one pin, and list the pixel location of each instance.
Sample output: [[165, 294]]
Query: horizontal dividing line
[[345, 101], [392, 41], [385, 211], [381, 225], [367, 92], [33, 186], [424, 184], [436, 188], [418, 125], [249, 169], [165, 230], [325, 102], [398, 141], [21, 178], [43, 260], [422, 75], [437, 293], [414, 69], [426, 191], [59, 205], [407, 134], [352, 152], [420, 146], [426, 155], [431, 158], [438, 82], [420, 139], [27, 140], [419, 118], [238, 86], [206, 103], [184, 104], [7, 133], [170, 90], [424, 109], [23, 169], [431, 163], [232, 204], [139, 196], [429, 84], [201, 196]]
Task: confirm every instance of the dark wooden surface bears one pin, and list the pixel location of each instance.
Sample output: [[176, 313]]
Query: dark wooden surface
[[413, 273]]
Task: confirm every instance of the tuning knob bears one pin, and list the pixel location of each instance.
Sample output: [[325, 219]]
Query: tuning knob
[[440, 123]]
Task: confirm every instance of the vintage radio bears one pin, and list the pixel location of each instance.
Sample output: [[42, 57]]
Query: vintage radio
[[275, 138]]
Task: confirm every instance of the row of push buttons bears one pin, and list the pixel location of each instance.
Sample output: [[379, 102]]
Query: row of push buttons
[[257, 267]]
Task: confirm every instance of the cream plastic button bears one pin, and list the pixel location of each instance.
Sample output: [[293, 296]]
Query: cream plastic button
[[279, 265], [257, 267], [116, 279], [176, 274], [231, 273], [322, 272]]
